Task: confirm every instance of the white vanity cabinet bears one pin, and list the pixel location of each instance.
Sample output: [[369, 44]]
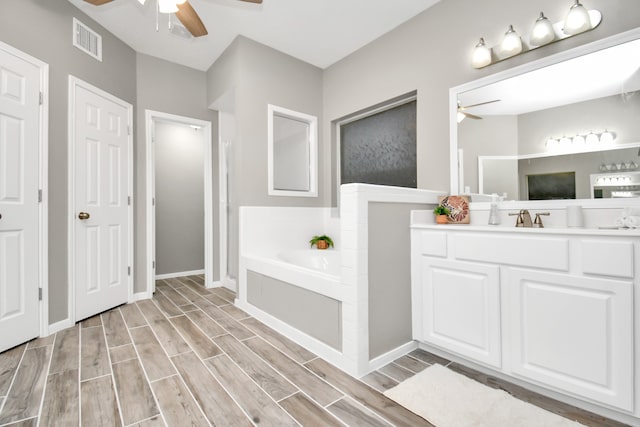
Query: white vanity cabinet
[[550, 307]]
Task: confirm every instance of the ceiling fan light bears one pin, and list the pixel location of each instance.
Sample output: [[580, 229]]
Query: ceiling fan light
[[542, 32], [577, 20], [511, 44], [167, 6], [460, 116], [481, 55]]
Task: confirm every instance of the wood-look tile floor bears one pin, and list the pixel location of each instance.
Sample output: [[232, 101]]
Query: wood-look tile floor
[[190, 357]]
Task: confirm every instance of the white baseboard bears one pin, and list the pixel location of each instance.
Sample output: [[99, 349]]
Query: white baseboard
[[230, 283], [58, 326], [178, 274], [139, 296], [383, 359]]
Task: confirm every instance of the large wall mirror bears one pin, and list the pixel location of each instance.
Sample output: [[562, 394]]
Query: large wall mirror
[[564, 127], [292, 153]]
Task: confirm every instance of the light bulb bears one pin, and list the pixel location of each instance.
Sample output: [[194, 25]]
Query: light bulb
[[552, 144], [565, 142], [481, 55], [167, 6], [592, 139], [606, 137], [578, 140], [512, 43], [460, 116], [577, 20], [542, 32]]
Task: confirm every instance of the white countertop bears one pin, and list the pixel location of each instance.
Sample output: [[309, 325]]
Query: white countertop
[[626, 232]]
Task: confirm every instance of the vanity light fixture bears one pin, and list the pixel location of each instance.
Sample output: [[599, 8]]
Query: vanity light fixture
[[481, 56], [580, 142], [542, 32], [578, 20], [511, 44]]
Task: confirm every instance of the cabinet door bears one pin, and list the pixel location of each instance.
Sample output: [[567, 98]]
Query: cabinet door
[[573, 333], [461, 308]]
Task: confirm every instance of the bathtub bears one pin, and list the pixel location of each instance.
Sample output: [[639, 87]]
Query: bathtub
[[310, 269], [309, 282], [325, 261]]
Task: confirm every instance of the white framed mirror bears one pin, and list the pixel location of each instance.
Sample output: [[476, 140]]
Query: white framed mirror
[[537, 121], [292, 153]]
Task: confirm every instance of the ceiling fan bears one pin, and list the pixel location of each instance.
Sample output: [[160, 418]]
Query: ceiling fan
[[183, 10], [463, 115]]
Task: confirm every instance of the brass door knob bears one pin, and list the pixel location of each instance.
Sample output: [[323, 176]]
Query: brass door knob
[[83, 215]]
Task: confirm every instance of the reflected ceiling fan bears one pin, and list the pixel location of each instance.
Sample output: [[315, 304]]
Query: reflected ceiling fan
[[462, 114], [183, 10]]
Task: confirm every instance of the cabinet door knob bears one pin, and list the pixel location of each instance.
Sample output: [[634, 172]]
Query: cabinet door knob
[[83, 215]]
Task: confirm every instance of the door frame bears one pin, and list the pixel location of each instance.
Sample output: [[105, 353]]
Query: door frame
[[150, 117], [75, 83], [43, 184]]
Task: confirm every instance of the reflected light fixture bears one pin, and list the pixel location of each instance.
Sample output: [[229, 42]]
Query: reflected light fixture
[[577, 20], [606, 137], [511, 44], [481, 56], [542, 32], [592, 138]]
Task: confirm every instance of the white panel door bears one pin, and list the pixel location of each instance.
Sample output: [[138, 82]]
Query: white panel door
[[461, 308], [573, 333], [101, 181], [19, 176]]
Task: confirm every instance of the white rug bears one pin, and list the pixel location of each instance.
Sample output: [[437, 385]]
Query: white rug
[[448, 399]]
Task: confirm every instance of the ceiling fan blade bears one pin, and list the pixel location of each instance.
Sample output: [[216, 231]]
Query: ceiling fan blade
[[190, 19], [472, 116], [253, 1], [479, 104], [98, 2]]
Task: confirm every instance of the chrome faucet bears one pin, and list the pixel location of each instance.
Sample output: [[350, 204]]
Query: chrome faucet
[[523, 218]]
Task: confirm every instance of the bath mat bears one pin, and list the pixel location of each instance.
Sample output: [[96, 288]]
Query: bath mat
[[448, 399]]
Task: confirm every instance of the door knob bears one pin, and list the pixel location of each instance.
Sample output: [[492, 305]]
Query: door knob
[[83, 215]]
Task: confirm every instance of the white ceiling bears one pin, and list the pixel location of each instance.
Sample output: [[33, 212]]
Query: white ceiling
[[319, 32]]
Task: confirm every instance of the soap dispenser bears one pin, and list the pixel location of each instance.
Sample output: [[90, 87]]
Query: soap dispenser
[[494, 216]]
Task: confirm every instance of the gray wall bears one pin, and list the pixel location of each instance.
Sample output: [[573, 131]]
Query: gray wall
[[179, 166], [491, 136], [432, 53], [169, 88], [309, 312], [389, 276], [43, 29], [260, 75]]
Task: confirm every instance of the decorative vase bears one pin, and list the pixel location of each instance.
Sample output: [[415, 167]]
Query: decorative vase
[[321, 244], [441, 219]]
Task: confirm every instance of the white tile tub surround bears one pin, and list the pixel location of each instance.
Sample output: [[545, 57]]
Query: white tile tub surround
[[266, 231], [354, 230]]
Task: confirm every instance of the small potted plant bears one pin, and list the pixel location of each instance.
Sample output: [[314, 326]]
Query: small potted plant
[[321, 242], [441, 213]]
